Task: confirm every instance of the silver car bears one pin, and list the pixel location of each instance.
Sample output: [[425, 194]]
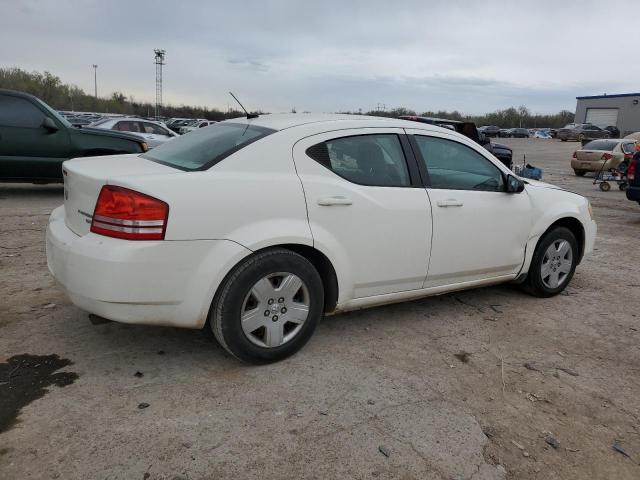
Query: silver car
[[154, 133]]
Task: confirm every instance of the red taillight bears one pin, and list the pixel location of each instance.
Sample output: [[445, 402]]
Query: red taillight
[[606, 156], [631, 171], [575, 154], [127, 214]]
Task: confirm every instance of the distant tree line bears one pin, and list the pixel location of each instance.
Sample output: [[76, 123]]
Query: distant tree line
[[508, 118], [62, 96]]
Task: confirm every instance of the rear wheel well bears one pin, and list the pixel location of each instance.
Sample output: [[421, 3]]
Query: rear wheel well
[[324, 267], [574, 225]]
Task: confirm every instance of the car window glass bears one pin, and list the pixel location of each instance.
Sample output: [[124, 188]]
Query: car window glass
[[153, 128], [127, 126], [605, 145], [18, 112], [205, 147], [373, 160], [452, 165], [628, 147]]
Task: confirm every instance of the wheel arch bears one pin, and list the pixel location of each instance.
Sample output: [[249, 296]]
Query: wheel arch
[[324, 267], [319, 260], [574, 226]]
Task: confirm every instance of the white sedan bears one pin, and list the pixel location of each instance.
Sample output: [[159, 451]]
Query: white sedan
[[154, 133], [195, 126], [257, 227]]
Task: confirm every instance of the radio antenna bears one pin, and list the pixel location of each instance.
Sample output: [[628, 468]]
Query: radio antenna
[[249, 115]]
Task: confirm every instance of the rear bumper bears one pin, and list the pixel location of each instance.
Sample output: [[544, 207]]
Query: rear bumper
[[147, 282], [633, 193]]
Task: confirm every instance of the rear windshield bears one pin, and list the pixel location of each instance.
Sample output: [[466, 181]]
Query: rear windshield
[[205, 147], [605, 145]]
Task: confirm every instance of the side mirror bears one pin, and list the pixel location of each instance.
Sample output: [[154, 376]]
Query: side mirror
[[49, 125], [514, 184]]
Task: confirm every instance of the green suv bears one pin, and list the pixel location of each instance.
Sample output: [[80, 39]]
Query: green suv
[[35, 140]]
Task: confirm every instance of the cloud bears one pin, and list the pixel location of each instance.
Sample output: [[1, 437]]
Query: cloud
[[332, 55]]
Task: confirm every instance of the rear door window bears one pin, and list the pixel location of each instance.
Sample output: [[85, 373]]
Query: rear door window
[[127, 126], [372, 160], [152, 128], [18, 112]]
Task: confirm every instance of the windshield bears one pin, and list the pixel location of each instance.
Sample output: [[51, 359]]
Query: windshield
[[205, 147]]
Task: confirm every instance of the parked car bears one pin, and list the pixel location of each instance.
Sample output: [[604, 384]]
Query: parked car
[[614, 132], [469, 130], [553, 132], [257, 227], [177, 123], [172, 121], [633, 136], [178, 126], [633, 179], [504, 132], [490, 130], [195, 126], [542, 134], [153, 133], [35, 140], [78, 121], [519, 133], [580, 132], [602, 155]]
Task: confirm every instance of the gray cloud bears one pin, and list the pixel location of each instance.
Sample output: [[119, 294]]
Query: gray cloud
[[333, 55]]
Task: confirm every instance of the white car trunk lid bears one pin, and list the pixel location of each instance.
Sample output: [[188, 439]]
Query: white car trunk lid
[[84, 177]]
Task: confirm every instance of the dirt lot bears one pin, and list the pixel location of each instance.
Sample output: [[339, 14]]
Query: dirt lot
[[431, 389]]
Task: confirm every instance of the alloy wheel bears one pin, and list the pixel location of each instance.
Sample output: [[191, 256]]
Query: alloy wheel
[[556, 264], [275, 309]]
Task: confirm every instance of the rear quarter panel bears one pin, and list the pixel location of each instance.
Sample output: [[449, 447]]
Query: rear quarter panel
[[252, 197]]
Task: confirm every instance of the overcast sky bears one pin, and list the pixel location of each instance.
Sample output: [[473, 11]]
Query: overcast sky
[[324, 55]]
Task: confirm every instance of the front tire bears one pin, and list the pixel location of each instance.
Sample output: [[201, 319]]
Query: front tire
[[579, 173], [553, 264], [268, 306]]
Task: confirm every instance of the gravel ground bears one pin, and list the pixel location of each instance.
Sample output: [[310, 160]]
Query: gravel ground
[[430, 389]]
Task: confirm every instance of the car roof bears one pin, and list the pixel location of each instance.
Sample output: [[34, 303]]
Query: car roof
[[15, 93], [283, 121], [417, 118], [617, 140]]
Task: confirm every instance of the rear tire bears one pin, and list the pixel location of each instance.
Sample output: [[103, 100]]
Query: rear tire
[[579, 173], [563, 139], [553, 264], [268, 306]]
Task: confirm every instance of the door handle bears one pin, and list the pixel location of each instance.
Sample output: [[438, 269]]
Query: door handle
[[451, 202], [337, 200]]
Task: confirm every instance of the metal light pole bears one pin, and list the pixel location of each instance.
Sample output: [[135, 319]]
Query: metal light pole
[[95, 81], [159, 63]]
